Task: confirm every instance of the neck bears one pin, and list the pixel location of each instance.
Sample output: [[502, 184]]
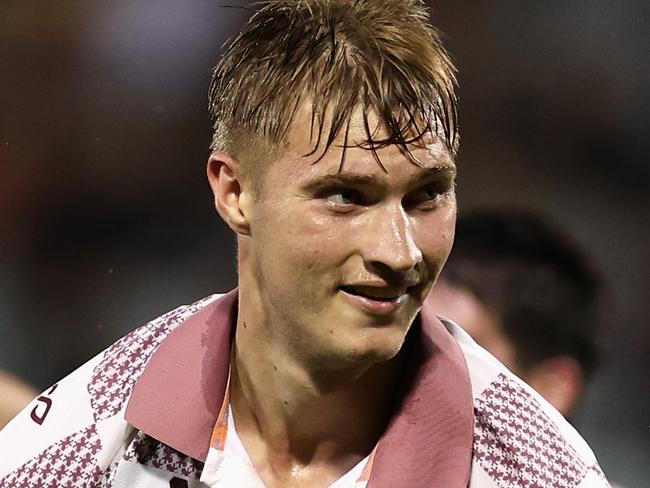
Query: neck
[[290, 412]]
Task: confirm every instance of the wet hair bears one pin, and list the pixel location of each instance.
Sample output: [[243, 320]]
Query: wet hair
[[538, 282], [340, 56]]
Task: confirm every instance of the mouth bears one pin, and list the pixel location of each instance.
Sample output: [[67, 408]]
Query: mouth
[[379, 300], [381, 293]]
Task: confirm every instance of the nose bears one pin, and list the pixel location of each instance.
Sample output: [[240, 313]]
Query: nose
[[391, 242]]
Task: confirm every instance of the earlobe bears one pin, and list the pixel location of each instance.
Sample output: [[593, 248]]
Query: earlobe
[[230, 194]]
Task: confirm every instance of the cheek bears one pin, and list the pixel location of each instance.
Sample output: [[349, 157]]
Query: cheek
[[301, 239], [448, 233], [436, 236]]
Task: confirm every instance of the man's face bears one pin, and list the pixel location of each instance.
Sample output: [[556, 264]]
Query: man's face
[[342, 260]]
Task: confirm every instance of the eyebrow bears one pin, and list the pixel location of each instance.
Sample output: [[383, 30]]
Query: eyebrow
[[352, 179]]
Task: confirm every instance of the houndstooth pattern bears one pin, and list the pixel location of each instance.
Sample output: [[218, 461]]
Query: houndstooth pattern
[[70, 463], [599, 472], [150, 452], [113, 378], [518, 445], [108, 476]]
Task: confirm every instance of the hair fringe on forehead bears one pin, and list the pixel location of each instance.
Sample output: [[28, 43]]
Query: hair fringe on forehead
[[377, 55]]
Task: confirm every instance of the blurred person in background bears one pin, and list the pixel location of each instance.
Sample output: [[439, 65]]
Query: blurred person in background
[[15, 394], [526, 293]]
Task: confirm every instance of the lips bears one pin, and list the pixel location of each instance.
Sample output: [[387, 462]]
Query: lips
[[381, 293], [376, 300]]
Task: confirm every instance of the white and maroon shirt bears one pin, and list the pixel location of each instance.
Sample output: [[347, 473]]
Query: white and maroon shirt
[[152, 411]]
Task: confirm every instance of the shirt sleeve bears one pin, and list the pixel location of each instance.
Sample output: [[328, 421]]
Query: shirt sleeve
[[519, 438], [58, 439]]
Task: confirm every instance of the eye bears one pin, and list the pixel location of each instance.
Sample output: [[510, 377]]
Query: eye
[[343, 197], [429, 195]]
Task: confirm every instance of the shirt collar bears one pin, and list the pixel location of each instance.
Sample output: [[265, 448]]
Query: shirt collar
[[179, 394], [428, 442]]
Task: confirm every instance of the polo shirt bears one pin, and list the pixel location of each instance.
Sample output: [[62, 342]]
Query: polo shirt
[[151, 411]]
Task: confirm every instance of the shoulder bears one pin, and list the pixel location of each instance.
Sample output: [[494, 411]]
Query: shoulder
[[122, 363], [81, 416], [518, 435]]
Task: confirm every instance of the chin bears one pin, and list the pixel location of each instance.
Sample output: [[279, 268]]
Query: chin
[[376, 345]]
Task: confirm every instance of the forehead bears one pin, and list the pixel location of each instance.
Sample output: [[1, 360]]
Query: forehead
[[350, 154]]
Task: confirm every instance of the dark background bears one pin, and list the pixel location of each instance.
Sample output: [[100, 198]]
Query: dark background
[[106, 217]]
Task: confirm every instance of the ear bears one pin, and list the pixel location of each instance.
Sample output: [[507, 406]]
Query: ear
[[231, 196], [559, 380]]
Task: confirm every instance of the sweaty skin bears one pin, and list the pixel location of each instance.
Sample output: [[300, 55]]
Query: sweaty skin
[[334, 267]]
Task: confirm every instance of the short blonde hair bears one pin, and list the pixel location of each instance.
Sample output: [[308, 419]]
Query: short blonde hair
[[341, 55]]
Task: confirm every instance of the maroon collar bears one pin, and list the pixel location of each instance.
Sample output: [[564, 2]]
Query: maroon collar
[[429, 440], [178, 395], [427, 443]]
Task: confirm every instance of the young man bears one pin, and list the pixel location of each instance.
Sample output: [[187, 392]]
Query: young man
[[527, 294], [333, 162]]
